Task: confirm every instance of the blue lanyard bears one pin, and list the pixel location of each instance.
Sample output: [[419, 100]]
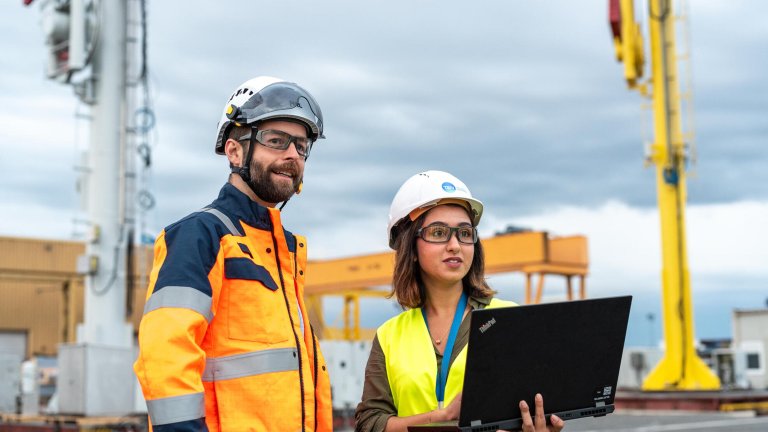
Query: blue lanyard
[[457, 316]]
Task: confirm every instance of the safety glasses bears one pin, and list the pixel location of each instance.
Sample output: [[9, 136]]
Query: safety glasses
[[441, 233], [280, 140]]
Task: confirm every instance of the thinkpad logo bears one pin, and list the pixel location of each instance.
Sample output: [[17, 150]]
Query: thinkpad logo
[[487, 325]]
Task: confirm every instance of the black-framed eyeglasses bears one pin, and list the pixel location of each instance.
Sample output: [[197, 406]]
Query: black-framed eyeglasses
[[280, 140], [441, 233]]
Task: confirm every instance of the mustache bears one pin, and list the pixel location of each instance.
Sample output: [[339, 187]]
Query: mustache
[[287, 167]]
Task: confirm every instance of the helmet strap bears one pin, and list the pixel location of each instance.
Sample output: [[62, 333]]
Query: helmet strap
[[244, 171], [298, 191]]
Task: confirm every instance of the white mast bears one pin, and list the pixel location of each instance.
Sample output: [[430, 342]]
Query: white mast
[[105, 289], [88, 38]]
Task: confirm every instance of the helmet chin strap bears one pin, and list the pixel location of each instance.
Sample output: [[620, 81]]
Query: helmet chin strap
[[298, 191], [244, 171]]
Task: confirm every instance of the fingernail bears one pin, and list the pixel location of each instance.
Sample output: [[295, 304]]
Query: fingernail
[[523, 405], [538, 396]]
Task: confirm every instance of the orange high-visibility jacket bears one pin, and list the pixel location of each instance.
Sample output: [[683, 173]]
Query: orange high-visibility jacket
[[225, 341]]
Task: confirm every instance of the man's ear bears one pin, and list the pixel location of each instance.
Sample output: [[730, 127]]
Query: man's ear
[[234, 151]]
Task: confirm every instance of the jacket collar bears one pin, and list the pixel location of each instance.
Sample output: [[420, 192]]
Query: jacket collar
[[239, 205], [479, 302]]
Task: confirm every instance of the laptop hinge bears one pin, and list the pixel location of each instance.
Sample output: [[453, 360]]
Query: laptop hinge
[[600, 404]]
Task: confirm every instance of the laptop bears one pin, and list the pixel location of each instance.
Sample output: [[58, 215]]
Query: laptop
[[569, 352]]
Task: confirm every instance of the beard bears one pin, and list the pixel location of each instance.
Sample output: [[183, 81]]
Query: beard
[[268, 190]]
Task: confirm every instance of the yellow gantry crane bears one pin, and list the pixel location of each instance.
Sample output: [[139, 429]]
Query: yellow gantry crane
[[680, 368], [533, 253]]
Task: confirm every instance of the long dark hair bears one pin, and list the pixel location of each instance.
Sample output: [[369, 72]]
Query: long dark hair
[[407, 286]]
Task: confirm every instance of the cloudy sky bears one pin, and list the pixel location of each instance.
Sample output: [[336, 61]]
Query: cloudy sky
[[523, 101]]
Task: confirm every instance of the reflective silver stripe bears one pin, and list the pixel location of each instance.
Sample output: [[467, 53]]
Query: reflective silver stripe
[[176, 409], [180, 297], [254, 363], [224, 219]]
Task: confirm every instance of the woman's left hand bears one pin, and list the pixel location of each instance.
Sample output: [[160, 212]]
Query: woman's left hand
[[539, 423]]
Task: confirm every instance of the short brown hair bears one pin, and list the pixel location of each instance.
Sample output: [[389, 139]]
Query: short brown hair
[[236, 132], [407, 286]]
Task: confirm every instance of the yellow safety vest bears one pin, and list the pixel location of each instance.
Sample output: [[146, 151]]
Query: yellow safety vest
[[412, 364]]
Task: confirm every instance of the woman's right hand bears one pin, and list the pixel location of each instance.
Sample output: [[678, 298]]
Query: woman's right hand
[[451, 412]]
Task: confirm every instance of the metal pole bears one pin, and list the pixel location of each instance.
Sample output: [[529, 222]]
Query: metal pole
[[95, 375], [105, 290]]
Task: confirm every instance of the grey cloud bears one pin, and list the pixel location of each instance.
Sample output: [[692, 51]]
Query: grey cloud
[[524, 102]]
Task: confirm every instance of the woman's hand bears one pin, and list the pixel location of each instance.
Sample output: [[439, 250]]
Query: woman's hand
[[451, 412], [539, 423]]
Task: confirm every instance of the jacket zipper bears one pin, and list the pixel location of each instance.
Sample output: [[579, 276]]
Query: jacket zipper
[[311, 330], [314, 352], [295, 337]]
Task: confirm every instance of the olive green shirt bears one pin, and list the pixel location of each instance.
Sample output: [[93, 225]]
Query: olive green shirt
[[377, 404]]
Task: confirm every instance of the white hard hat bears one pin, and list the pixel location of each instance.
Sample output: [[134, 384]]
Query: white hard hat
[[264, 98], [426, 190]]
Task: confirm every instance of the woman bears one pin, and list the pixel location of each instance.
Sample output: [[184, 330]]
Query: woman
[[416, 367]]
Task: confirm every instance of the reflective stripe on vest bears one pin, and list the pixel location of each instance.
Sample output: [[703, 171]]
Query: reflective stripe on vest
[[176, 409], [225, 220], [180, 297], [249, 364], [412, 363]]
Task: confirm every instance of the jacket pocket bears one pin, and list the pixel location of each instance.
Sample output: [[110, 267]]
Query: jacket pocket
[[245, 269], [256, 306]]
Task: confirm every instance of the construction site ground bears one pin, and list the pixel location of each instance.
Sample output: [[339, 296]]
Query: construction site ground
[[663, 421], [623, 420]]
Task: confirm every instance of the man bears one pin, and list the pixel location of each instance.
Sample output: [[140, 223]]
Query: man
[[225, 341]]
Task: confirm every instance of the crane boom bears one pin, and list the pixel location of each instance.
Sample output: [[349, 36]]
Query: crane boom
[[534, 253], [528, 252]]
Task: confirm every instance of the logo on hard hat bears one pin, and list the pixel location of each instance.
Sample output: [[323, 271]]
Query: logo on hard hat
[[449, 187]]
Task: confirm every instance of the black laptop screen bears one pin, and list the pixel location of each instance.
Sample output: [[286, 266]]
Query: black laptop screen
[[569, 352]]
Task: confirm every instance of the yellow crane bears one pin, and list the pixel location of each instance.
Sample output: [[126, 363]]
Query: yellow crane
[[680, 368]]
